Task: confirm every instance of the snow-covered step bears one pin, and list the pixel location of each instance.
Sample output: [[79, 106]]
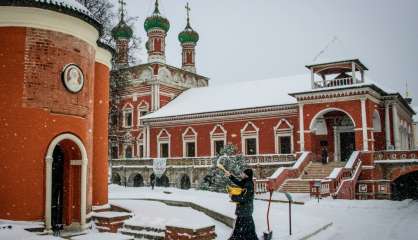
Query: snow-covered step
[[109, 221], [143, 234]]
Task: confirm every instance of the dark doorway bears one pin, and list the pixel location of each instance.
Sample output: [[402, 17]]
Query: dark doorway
[[347, 141], [57, 200], [138, 181], [405, 187], [185, 182], [116, 179], [163, 181]]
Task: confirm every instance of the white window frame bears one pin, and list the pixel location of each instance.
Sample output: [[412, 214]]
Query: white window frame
[[143, 105], [161, 140], [140, 142], [188, 139], [125, 146], [127, 108], [113, 144], [217, 137], [248, 135], [283, 132]]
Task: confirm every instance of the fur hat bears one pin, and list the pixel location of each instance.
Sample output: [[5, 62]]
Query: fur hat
[[249, 173]]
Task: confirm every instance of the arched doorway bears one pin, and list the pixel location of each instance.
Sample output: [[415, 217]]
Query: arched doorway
[[332, 132], [138, 180], [116, 179], [163, 181], [66, 168], [185, 182], [57, 198], [405, 187]]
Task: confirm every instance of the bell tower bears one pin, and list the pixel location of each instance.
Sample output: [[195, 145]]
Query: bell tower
[[156, 27], [122, 34], [188, 39]]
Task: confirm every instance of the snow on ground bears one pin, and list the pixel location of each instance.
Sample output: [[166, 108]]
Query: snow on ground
[[302, 224], [102, 236], [17, 232], [159, 215], [360, 220]]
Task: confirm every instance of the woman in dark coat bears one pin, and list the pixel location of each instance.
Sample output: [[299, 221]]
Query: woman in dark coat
[[244, 225]]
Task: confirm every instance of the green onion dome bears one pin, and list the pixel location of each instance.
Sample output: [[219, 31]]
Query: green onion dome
[[122, 30], [156, 21], [147, 45], [188, 35]]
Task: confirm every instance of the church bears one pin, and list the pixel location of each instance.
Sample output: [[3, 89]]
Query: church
[[284, 127], [54, 83]]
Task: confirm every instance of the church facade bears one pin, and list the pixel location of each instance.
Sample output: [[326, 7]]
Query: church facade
[[282, 126], [54, 82]]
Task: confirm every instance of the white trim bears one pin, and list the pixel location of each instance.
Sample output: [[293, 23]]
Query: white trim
[[364, 124], [48, 179], [302, 128], [327, 110], [125, 146], [143, 105], [249, 135], [387, 127], [104, 57], [217, 137], [127, 108], [283, 132], [12, 16], [192, 139], [164, 140], [377, 122], [395, 122]]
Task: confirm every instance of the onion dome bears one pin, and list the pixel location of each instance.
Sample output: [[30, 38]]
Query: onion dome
[[156, 20], [122, 30], [188, 35]]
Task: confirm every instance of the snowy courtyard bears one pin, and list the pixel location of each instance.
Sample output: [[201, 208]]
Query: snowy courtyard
[[328, 219]]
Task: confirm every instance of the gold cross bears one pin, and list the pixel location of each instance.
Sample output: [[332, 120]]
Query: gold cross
[[188, 10], [122, 4]]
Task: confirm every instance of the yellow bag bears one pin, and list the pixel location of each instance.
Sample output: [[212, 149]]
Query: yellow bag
[[234, 191]]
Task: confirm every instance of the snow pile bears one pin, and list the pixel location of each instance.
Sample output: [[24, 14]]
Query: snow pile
[[159, 215], [102, 236]]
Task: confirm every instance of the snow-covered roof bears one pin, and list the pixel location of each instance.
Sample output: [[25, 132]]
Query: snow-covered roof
[[237, 95], [71, 4], [244, 95]]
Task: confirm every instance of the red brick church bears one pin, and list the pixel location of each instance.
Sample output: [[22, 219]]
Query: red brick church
[[283, 127]]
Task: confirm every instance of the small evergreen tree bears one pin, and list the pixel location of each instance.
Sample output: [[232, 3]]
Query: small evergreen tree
[[215, 180]]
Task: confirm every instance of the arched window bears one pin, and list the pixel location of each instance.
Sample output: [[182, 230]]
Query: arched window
[[163, 141], [128, 151], [283, 137], [189, 142], [218, 139], [377, 124], [249, 139], [127, 116], [140, 144], [143, 109]]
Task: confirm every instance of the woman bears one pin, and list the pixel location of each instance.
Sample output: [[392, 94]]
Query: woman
[[244, 225]]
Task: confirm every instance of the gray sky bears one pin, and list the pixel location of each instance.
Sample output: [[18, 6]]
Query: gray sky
[[243, 40]]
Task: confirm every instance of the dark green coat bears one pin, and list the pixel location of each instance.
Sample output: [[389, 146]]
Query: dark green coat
[[245, 206]]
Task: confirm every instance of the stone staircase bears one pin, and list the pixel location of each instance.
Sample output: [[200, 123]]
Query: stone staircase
[[313, 171], [139, 232]]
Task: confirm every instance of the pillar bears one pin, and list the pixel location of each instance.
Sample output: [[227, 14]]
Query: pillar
[[387, 126], [396, 137], [364, 124], [301, 129]]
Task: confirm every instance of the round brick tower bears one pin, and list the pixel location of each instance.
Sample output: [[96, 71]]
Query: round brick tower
[[53, 135]]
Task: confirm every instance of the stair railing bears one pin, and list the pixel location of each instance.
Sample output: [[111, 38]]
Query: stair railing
[[284, 173]]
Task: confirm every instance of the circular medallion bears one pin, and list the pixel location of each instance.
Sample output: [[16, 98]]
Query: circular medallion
[[73, 78]]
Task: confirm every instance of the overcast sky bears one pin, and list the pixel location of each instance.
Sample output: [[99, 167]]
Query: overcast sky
[[243, 40]]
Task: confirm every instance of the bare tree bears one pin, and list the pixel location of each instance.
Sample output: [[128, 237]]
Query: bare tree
[[104, 12]]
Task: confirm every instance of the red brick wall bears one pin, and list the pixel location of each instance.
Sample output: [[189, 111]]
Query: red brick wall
[[233, 128], [33, 92], [100, 137]]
